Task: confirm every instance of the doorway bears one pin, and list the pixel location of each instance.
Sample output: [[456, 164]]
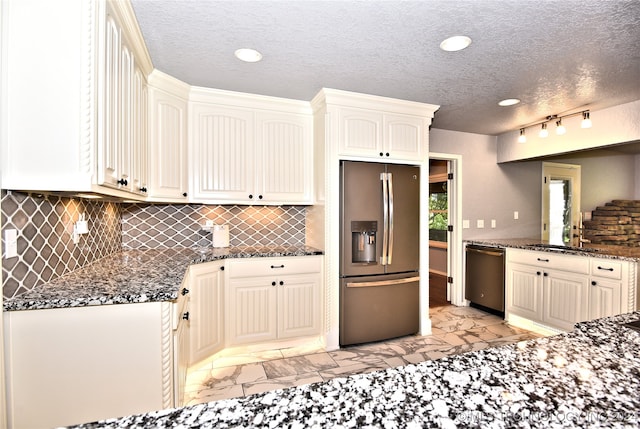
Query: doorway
[[445, 244], [560, 202]]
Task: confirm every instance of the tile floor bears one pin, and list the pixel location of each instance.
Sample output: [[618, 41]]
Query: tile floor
[[455, 330]]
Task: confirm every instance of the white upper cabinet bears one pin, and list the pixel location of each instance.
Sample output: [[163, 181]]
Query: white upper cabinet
[[122, 99], [168, 138], [74, 98], [247, 149], [367, 126]]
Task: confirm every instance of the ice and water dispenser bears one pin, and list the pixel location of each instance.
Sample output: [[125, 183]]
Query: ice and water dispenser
[[363, 241]]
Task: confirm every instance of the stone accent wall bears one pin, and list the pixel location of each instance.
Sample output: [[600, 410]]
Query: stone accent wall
[[617, 223]]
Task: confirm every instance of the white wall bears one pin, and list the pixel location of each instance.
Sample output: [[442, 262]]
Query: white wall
[[618, 124], [491, 190], [606, 176]]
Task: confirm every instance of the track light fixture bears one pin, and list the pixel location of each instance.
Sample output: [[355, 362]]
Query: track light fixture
[[560, 128], [522, 138]]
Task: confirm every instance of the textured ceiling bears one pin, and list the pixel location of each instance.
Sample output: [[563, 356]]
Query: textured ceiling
[[556, 56]]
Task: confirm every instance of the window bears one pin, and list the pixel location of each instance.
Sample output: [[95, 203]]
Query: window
[[438, 211]]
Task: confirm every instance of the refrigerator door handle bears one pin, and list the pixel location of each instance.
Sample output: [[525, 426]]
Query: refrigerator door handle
[[384, 282], [385, 221], [390, 186]]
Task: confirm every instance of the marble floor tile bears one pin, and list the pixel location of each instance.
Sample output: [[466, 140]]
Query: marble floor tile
[[455, 330], [281, 383], [230, 375], [358, 368], [246, 358], [216, 394], [298, 365]]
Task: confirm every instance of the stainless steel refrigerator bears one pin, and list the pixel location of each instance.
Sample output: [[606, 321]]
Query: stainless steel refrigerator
[[379, 251]]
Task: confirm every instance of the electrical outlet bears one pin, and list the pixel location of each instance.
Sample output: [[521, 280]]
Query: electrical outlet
[[516, 215], [10, 243], [493, 223], [480, 223], [465, 224], [208, 223]]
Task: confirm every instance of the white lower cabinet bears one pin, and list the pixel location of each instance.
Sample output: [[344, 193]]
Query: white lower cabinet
[[73, 365], [273, 299], [206, 288], [558, 291]]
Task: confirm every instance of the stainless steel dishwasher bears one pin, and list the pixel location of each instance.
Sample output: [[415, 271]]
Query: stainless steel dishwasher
[[484, 279]]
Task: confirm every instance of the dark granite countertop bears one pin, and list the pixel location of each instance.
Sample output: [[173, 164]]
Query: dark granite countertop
[[585, 378], [588, 249], [133, 276]]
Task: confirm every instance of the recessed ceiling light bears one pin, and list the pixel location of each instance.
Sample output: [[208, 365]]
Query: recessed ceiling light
[[455, 43], [248, 55], [508, 102]]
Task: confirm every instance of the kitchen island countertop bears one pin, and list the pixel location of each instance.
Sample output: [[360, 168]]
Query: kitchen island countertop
[[134, 276], [586, 378], [588, 249]]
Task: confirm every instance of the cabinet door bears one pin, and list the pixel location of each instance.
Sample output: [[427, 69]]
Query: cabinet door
[[109, 125], [206, 310], [404, 137], [565, 299], [125, 140], [299, 305], [167, 146], [604, 298], [222, 154], [284, 144], [181, 347], [360, 133], [252, 316], [524, 291], [139, 159]]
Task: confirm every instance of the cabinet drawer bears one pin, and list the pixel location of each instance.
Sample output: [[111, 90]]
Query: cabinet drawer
[[576, 264], [259, 267], [606, 268]]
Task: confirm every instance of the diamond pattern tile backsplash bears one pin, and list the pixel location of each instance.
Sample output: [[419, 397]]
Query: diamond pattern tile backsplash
[[160, 226], [45, 243], [45, 225]]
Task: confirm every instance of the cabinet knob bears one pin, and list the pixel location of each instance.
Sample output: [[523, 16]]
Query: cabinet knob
[[143, 189], [593, 283], [381, 154], [538, 273], [222, 268], [281, 283], [123, 182], [250, 196], [185, 316], [185, 291], [184, 194], [259, 197], [545, 274], [386, 154], [273, 283]]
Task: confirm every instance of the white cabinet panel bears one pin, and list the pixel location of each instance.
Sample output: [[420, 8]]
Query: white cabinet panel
[[298, 306], [405, 136], [284, 157], [252, 310], [168, 135], [206, 286], [222, 153], [276, 304], [524, 294], [83, 364], [605, 298], [360, 132], [565, 299], [250, 156]]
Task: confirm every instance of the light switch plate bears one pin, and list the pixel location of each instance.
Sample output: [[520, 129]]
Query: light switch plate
[[493, 223], [465, 224], [480, 223], [516, 215]]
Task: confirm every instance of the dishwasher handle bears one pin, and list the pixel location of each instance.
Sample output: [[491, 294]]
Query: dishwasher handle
[[486, 251]]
